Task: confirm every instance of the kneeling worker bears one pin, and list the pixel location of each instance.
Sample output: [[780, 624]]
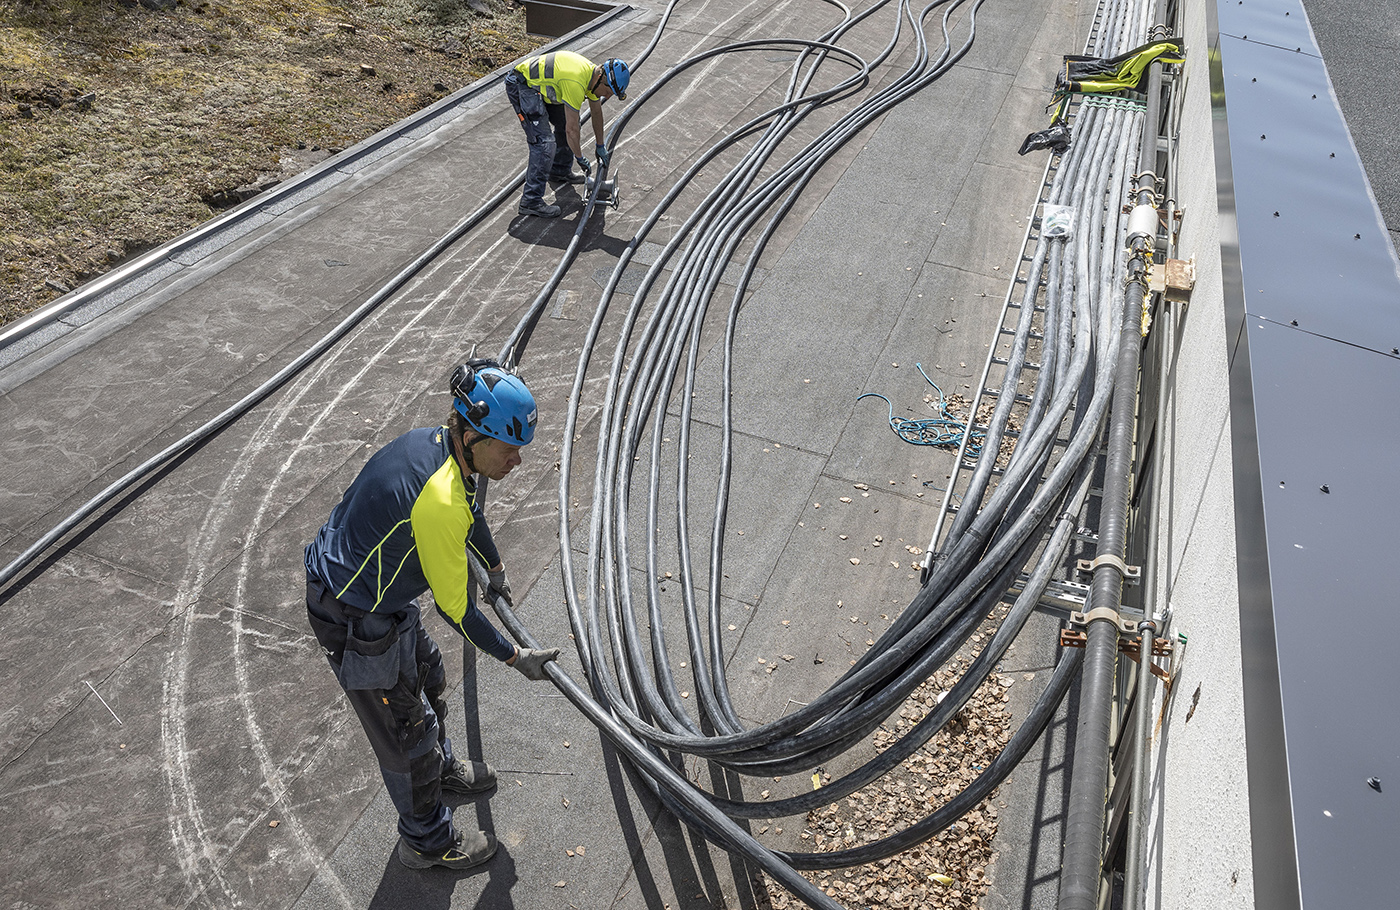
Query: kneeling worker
[[547, 93], [404, 527]]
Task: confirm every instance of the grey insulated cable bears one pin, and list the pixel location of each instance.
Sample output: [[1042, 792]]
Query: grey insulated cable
[[653, 369]]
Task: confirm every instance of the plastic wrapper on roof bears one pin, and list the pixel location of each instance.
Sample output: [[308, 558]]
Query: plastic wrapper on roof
[[1056, 136]]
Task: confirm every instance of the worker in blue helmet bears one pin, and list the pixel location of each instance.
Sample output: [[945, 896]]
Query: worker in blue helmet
[[405, 527], [547, 93]]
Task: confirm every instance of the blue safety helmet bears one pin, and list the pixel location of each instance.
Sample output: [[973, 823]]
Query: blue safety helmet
[[617, 75], [494, 402]]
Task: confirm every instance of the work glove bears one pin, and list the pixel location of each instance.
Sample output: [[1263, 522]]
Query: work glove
[[499, 586], [584, 165], [602, 154], [531, 661]]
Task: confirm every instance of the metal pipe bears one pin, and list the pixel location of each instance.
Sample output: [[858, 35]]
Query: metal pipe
[[1082, 860], [1137, 820], [1135, 875]]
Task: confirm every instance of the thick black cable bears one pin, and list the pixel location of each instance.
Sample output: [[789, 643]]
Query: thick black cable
[[202, 433], [679, 522], [1081, 343], [566, 548], [1083, 846]]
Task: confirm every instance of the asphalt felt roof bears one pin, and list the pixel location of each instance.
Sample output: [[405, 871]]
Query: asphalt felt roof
[[181, 608]]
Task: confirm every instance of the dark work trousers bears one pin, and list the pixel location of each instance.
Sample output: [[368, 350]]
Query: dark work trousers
[[550, 154], [393, 675]]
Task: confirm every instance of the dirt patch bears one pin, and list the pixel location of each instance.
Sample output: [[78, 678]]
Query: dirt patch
[[126, 123]]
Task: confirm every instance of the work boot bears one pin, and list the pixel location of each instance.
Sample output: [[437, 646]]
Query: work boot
[[468, 776], [570, 178], [466, 851], [542, 209]]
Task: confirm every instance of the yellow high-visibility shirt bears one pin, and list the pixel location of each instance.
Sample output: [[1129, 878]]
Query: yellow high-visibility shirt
[[562, 77]]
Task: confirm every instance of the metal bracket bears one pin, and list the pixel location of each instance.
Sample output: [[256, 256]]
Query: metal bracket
[[1176, 278], [1131, 574], [1060, 598], [1131, 647], [1161, 647], [1073, 638], [607, 196], [1138, 188], [1125, 626], [925, 567]]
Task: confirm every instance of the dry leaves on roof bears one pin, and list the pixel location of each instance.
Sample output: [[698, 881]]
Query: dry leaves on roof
[[947, 872]]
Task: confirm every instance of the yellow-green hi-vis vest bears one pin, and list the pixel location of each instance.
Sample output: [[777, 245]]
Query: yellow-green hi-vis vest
[[561, 77]]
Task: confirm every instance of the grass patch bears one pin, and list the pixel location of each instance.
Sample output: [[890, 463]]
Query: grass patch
[[122, 126]]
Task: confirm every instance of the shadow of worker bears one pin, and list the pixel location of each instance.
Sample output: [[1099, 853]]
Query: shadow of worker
[[496, 892], [558, 233]]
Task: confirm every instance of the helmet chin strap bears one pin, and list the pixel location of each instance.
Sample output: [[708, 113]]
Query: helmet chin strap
[[465, 452]]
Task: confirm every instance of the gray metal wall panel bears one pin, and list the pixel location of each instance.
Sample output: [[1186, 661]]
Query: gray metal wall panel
[[1311, 406]]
